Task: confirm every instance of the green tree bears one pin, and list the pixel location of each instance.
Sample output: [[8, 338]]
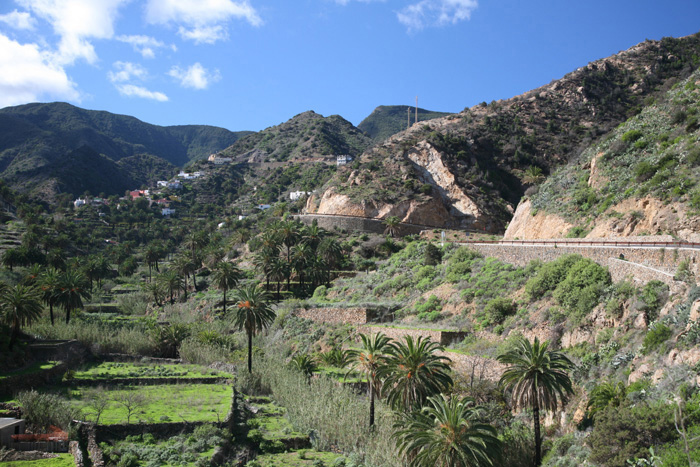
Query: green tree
[[20, 306], [74, 288], [447, 433], [172, 283], [368, 360], [225, 277], [253, 314], [392, 225], [413, 372], [50, 286], [606, 394], [538, 378], [304, 364]]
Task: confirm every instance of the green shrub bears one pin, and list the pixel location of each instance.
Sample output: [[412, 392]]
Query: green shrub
[[654, 295], [657, 334], [549, 275], [632, 136], [580, 291], [43, 410], [498, 309], [432, 255]]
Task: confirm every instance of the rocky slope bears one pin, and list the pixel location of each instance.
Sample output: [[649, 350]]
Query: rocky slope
[[490, 150], [641, 180]]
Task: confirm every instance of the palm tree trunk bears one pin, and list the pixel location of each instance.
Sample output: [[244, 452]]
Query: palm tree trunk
[[250, 352], [67, 315], [224, 302], [13, 335], [538, 439], [51, 312], [371, 404]]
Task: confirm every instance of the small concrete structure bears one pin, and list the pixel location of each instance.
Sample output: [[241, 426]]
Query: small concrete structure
[[9, 427]]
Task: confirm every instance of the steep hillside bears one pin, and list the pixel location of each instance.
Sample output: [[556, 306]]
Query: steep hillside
[[306, 135], [37, 138], [641, 180], [477, 164], [387, 120]]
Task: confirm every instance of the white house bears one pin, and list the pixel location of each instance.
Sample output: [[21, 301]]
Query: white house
[[295, 195], [162, 183], [167, 211], [263, 207], [79, 202], [221, 160], [175, 185], [343, 159], [240, 217]]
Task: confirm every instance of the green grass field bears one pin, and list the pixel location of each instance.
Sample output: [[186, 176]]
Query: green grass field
[[35, 367], [300, 458], [63, 460], [109, 370], [155, 404]]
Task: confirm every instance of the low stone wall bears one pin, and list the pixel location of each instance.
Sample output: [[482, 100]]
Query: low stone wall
[[144, 381], [357, 316], [77, 453], [439, 336], [12, 385], [636, 260]]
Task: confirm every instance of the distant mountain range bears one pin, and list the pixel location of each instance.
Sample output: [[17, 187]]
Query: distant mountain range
[[40, 145]]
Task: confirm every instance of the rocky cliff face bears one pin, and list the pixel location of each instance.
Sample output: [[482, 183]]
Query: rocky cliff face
[[527, 225]]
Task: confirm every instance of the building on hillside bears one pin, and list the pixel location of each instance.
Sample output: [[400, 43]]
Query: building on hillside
[[295, 195], [135, 194], [79, 202], [174, 185], [264, 207], [343, 159], [241, 217], [167, 211], [162, 183], [189, 176], [9, 427], [219, 160]]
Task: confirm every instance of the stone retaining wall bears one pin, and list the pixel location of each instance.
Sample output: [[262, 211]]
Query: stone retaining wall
[[144, 381], [636, 261], [359, 224], [356, 316], [441, 337], [12, 385]]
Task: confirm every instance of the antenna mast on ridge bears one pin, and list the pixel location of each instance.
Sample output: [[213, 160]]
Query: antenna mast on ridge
[[416, 109]]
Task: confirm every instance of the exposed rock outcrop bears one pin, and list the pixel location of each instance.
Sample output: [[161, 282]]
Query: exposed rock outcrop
[[528, 225]]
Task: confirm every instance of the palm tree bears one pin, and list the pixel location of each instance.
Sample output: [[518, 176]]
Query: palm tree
[[225, 277], [312, 235], [414, 372], [332, 253], [278, 272], [74, 288], [253, 314], [50, 286], [392, 224], [539, 379], [263, 260], [604, 395], [447, 433], [301, 255], [368, 360], [172, 283], [19, 306], [184, 266], [304, 364]]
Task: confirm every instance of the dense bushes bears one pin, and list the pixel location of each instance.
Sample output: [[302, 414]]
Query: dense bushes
[[576, 283]]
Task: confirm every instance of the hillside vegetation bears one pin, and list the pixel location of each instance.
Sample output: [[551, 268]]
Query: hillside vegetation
[[495, 151], [303, 136]]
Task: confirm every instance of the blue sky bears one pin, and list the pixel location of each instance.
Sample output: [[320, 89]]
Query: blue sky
[[247, 65]]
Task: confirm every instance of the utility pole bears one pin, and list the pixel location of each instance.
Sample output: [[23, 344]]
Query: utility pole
[[416, 109]]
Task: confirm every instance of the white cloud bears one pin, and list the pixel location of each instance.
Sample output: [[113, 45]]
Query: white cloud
[[144, 45], [132, 90], [76, 22], [436, 13], [18, 20], [27, 75], [126, 71], [196, 76], [203, 21]]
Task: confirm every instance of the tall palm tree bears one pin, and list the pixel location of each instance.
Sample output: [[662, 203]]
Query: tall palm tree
[[538, 378], [368, 360], [263, 260], [253, 314], [184, 266], [332, 253], [225, 277], [74, 288], [19, 306], [301, 255], [447, 433], [312, 235], [278, 272], [172, 283], [413, 372], [50, 286]]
